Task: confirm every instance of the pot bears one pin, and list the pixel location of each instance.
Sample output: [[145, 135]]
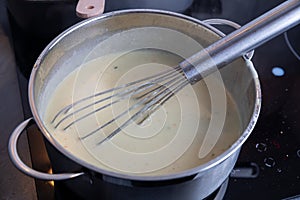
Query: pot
[[67, 52]]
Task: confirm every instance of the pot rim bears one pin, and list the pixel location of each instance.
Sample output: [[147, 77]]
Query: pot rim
[[193, 171]]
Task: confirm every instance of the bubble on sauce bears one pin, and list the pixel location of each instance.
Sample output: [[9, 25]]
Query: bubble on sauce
[[269, 162], [278, 71], [261, 147]]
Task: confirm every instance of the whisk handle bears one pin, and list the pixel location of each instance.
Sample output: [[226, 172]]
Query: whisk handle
[[241, 41]]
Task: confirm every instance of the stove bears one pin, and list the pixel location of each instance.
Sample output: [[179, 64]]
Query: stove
[[269, 163]]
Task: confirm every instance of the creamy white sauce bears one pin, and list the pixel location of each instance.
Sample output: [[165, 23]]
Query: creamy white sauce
[[167, 142]]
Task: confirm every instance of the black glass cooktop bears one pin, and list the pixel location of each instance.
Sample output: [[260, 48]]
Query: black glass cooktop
[[269, 163], [274, 145]]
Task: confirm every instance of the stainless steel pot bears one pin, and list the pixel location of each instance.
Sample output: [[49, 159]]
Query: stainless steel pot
[[240, 79]]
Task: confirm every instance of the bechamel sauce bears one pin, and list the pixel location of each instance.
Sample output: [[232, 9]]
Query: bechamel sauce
[[167, 142]]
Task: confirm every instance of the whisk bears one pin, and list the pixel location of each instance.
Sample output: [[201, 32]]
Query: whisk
[[153, 91]]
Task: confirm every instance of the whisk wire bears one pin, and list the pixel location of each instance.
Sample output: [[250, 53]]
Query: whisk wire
[[122, 95], [150, 93], [156, 102], [147, 97]]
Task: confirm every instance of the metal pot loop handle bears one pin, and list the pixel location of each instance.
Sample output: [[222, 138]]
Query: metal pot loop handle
[[14, 156], [247, 56]]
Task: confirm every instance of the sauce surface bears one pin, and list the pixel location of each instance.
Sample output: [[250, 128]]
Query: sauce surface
[[196, 125]]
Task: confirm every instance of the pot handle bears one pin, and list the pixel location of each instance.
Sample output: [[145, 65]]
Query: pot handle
[[232, 24], [89, 8], [14, 156]]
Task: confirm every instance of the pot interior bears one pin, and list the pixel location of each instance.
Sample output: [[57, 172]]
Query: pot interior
[[89, 40]]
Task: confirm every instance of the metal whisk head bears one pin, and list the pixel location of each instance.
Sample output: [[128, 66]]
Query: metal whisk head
[[149, 94], [155, 90]]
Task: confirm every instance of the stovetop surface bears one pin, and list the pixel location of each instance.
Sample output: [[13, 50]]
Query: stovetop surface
[[274, 145]]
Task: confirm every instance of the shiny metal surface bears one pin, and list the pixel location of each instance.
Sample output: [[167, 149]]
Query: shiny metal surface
[[160, 87], [196, 67], [15, 158], [238, 43], [150, 93], [48, 71]]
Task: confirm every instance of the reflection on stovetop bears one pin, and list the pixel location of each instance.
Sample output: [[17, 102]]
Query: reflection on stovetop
[[274, 146]]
